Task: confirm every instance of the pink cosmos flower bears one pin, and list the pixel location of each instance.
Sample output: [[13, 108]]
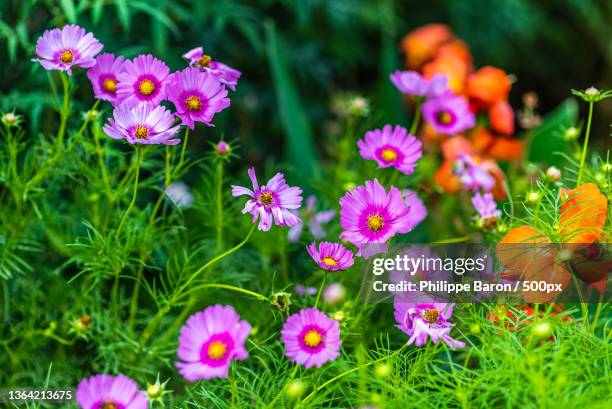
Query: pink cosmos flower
[[418, 212], [271, 202], [314, 221], [103, 76], [414, 84], [311, 338], [485, 206], [143, 81], [331, 256], [449, 114], [110, 392], [370, 215], [197, 95], [142, 124], [60, 49], [391, 147], [423, 321], [473, 176], [224, 74], [209, 341]]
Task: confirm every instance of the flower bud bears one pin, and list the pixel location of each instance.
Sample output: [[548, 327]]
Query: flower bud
[[157, 390], [223, 149], [383, 370], [10, 119], [606, 168], [296, 388], [572, 133], [281, 301], [542, 329], [553, 174], [533, 197]]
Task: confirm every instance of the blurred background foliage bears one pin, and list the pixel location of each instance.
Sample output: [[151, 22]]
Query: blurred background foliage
[[295, 54]]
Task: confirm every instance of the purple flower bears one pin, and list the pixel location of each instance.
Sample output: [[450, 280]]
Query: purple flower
[[143, 81], [271, 202], [103, 76], [391, 147], [311, 338], [334, 293], [197, 95], [418, 212], [448, 114], [370, 215], [110, 392], [485, 206], [142, 124], [180, 194], [414, 84], [209, 341], [423, 321], [302, 291], [473, 176], [224, 74], [313, 220], [60, 49], [331, 256]]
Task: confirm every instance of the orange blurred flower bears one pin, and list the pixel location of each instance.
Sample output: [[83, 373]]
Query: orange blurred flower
[[501, 117], [422, 44], [583, 214], [496, 147], [487, 86], [450, 65]]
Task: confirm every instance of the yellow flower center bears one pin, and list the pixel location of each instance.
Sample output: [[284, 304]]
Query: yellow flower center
[[329, 261], [66, 56], [389, 154], [204, 61], [375, 223], [431, 316], [216, 350], [141, 132], [108, 405], [146, 87], [313, 338], [193, 103], [266, 199], [444, 117], [110, 85]]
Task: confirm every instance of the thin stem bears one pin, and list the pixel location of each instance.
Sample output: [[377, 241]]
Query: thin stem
[[586, 143], [183, 149], [135, 191], [102, 164], [228, 287], [65, 108], [219, 202], [416, 120], [350, 371], [320, 289]]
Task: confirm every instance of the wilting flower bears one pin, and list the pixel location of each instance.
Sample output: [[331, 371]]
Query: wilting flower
[[412, 83], [60, 49], [110, 392], [311, 338], [331, 256], [423, 321], [302, 291], [473, 176], [391, 147], [142, 124], [104, 76], [370, 215], [314, 221], [223, 73], [209, 341], [334, 293], [180, 194], [271, 202], [197, 95], [449, 114], [143, 81], [487, 209], [418, 212]]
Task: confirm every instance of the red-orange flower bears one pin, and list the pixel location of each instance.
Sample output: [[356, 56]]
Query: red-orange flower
[[496, 147], [422, 44], [487, 86], [501, 117], [583, 214], [454, 67]]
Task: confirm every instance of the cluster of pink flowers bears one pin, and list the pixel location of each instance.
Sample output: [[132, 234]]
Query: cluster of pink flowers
[[137, 87]]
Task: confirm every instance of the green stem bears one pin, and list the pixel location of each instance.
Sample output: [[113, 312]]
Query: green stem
[[278, 395], [135, 190], [228, 287], [183, 149], [65, 108], [219, 201], [586, 144], [350, 371], [148, 331], [102, 164], [417, 119], [320, 289]]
